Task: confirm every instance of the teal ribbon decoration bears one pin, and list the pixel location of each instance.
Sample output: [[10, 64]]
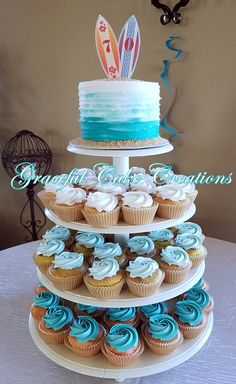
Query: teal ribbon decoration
[[164, 76]]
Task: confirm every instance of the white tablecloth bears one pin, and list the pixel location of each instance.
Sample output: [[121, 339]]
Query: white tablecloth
[[22, 363]]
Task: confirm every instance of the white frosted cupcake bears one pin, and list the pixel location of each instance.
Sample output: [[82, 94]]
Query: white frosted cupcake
[[68, 204], [146, 184], [193, 246], [173, 202], [89, 183], [80, 175], [48, 194], [138, 208], [143, 276], [101, 209], [188, 188], [111, 187]]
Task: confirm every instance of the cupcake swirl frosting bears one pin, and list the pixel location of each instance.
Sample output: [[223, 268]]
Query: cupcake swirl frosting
[[57, 232], [102, 201], [51, 247], [46, 300], [163, 327], [121, 314], [199, 296], [171, 192], [142, 267], [188, 227], [84, 172], [57, 317], [87, 308], [104, 268], [154, 309], [107, 250], [163, 235], [189, 311], [90, 239], [188, 241], [70, 196], [84, 329], [137, 199], [200, 283], [89, 182], [174, 255], [114, 188], [141, 245], [122, 337], [55, 187], [146, 184], [68, 260]]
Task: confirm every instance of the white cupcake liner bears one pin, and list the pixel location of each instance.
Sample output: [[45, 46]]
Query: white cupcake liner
[[139, 216], [144, 289], [68, 212], [102, 219], [122, 360], [172, 211]]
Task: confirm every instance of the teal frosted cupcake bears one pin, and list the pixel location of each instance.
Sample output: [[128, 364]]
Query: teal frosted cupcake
[[201, 297], [106, 250], [193, 246], [175, 262], [86, 242], [147, 311], [140, 246], [59, 233], [192, 228], [85, 336], [122, 345], [46, 252], [202, 283], [162, 238], [190, 318], [89, 310], [115, 316], [161, 334], [54, 325], [42, 302]]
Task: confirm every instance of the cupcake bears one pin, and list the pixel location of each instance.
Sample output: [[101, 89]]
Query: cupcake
[[202, 283], [147, 311], [59, 233], [115, 316], [46, 252], [122, 345], [146, 184], [39, 288], [81, 175], [48, 194], [138, 208], [89, 310], [107, 250], [101, 209], [143, 276], [175, 262], [113, 188], [137, 171], [86, 242], [190, 190], [190, 318], [104, 279], [67, 270], [189, 227], [161, 334], [173, 202], [42, 302], [89, 183], [140, 246], [85, 336], [202, 298], [162, 238], [193, 246], [54, 325], [68, 204]]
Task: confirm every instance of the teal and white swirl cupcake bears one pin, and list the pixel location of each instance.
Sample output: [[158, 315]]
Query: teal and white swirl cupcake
[[67, 270], [162, 238], [201, 297], [193, 246], [140, 246], [85, 337], [59, 233], [86, 242], [54, 325], [115, 316], [107, 250], [46, 252], [89, 310], [122, 345], [190, 318], [161, 333], [147, 311], [143, 276], [175, 262]]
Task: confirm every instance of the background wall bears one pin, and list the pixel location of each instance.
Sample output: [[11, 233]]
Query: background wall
[[47, 47]]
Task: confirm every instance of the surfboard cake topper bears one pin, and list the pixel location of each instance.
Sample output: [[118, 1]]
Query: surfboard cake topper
[[118, 60]]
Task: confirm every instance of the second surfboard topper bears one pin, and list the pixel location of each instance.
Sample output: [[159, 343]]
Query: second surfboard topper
[[118, 59]]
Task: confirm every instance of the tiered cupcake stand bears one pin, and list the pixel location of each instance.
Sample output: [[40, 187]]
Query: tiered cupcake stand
[[148, 363]]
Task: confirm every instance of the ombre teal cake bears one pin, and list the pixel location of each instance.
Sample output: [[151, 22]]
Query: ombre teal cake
[[119, 112]]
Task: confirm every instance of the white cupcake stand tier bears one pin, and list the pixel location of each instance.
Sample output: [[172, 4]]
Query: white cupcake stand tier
[[148, 363]]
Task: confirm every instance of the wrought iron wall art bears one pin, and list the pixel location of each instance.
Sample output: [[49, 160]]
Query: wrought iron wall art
[[27, 147], [169, 14]]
